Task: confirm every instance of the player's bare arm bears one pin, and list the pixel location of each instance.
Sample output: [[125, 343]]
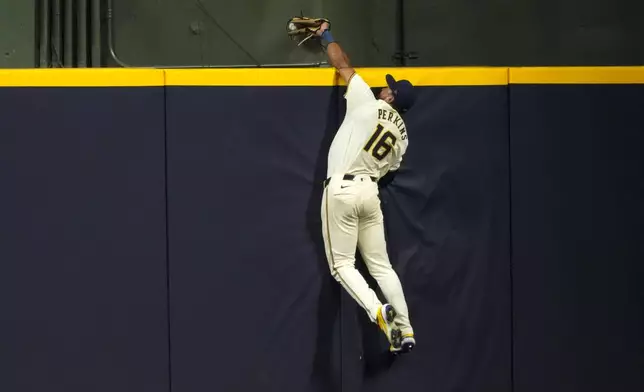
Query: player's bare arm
[[337, 57]]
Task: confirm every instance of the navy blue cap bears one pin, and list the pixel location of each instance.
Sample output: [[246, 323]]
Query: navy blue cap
[[404, 93]]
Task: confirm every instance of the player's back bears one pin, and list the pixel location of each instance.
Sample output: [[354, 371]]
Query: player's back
[[372, 138]]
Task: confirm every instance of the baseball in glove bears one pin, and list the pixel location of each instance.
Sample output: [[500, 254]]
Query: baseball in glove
[[303, 28]]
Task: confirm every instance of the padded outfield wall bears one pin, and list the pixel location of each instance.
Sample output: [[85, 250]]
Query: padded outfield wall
[[161, 231]]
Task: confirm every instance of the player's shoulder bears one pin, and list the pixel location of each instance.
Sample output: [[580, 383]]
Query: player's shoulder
[[355, 76], [356, 81]]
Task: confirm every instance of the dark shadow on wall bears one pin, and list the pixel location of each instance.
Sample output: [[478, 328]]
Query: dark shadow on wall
[[326, 370], [375, 349]]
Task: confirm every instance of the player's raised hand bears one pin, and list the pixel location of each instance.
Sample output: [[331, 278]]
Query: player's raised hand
[[323, 27], [303, 28]]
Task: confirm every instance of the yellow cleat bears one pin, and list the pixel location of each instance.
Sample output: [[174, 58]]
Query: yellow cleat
[[385, 320]]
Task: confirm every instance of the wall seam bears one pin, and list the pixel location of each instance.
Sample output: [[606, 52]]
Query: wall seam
[[167, 226], [511, 255]]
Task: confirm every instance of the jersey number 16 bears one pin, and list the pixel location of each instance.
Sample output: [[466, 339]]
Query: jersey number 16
[[383, 146]]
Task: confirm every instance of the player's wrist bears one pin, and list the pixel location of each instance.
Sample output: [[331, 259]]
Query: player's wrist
[[326, 37]]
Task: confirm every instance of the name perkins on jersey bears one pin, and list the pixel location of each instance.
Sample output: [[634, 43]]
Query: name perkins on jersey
[[387, 115]]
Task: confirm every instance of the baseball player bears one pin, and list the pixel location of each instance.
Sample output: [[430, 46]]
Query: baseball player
[[370, 142]]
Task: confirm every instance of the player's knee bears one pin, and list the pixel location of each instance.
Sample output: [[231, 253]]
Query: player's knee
[[338, 271], [382, 271], [339, 265], [343, 262]]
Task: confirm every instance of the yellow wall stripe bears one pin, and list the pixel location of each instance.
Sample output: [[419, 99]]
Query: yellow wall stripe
[[473, 76], [81, 77], [420, 76], [375, 77], [577, 75], [251, 77]]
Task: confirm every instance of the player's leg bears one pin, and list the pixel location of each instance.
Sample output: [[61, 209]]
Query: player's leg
[[373, 248], [340, 232]]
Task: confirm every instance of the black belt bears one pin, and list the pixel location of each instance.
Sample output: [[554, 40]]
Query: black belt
[[348, 177]]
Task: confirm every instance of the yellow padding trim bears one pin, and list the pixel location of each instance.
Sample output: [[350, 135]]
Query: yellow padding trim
[[252, 77], [577, 75], [474, 76], [81, 77], [375, 77]]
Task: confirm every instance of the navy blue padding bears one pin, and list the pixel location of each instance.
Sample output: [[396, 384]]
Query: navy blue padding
[[252, 301], [253, 305], [577, 213], [553, 182], [82, 240], [447, 223]]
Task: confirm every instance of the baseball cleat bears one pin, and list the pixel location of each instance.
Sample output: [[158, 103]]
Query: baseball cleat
[[407, 344], [385, 319]]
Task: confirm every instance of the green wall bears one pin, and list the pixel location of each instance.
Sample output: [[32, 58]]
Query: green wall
[[525, 32], [442, 32], [173, 32], [17, 34]]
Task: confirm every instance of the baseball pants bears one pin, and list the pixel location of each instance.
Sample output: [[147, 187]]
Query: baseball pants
[[351, 217]]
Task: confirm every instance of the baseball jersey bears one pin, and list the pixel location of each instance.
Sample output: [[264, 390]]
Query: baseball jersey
[[372, 138]]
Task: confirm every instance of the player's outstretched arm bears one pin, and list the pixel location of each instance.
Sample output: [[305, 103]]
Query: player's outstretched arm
[[337, 57]]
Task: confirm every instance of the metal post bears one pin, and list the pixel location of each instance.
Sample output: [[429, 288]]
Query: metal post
[[69, 34], [81, 44], [56, 34], [400, 33], [402, 55], [44, 33], [96, 33]]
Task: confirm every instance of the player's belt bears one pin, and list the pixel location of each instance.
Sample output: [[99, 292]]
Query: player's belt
[[348, 177]]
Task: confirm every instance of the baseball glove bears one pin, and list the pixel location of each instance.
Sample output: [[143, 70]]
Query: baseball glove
[[303, 28]]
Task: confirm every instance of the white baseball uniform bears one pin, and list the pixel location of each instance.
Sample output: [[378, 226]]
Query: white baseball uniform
[[370, 142]]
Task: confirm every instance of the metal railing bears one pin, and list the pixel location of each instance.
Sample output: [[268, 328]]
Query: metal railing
[[117, 60], [67, 26], [64, 27]]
